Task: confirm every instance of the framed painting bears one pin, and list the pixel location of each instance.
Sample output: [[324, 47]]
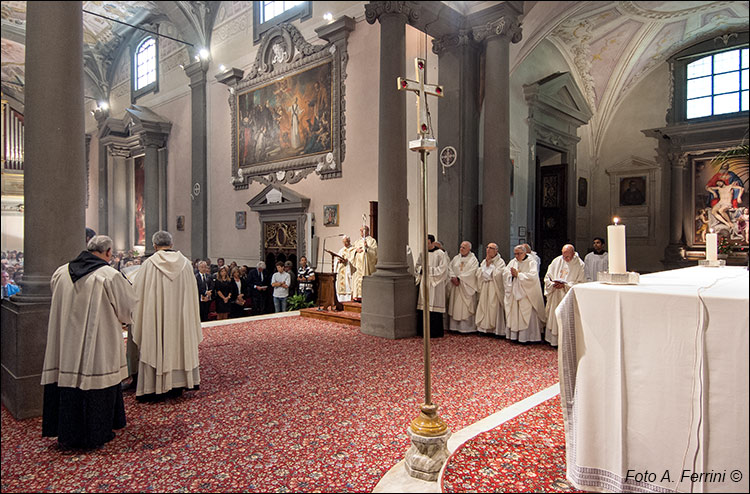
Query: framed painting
[[286, 112], [181, 223], [632, 191], [331, 215], [240, 220], [720, 200]]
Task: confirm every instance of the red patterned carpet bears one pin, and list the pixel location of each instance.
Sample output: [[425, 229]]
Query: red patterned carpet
[[525, 454], [288, 404]]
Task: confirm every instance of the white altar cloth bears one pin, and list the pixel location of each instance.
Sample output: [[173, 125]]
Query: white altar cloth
[[654, 382]]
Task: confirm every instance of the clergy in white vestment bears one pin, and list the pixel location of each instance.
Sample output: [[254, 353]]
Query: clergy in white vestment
[[365, 259], [345, 270], [490, 316], [462, 298], [437, 278], [524, 304], [84, 360], [563, 272], [166, 324], [596, 261]]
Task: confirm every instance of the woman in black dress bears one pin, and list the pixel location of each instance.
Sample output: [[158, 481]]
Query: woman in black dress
[[240, 293], [226, 292]]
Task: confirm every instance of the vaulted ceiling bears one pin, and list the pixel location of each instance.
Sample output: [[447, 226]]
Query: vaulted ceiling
[[610, 45]]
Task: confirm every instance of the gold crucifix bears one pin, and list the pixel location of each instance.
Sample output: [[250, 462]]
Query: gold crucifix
[[422, 89]]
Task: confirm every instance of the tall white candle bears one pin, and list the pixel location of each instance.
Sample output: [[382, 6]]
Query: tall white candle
[[616, 241], [711, 246]]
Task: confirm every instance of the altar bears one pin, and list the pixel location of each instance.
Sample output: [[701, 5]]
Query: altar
[[654, 382]]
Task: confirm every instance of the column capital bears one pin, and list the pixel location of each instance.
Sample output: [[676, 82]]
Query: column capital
[[196, 71], [375, 10], [504, 27], [678, 160], [453, 40], [100, 115]]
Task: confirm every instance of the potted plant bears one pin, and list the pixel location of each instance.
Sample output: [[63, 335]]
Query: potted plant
[[297, 302]]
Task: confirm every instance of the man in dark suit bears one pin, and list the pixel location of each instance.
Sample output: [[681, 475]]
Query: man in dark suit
[[259, 281], [205, 289]]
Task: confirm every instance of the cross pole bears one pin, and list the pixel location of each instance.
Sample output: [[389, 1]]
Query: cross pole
[[428, 423]]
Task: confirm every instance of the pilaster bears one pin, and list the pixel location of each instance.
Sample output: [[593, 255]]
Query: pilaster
[[196, 72]]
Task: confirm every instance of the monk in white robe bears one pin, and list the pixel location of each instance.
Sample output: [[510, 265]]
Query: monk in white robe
[[365, 259], [166, 325], [84, 361], [345, 270], [437, 278], [490, 314], [596, 261], [462, 299], [564, 271], [524, 304]]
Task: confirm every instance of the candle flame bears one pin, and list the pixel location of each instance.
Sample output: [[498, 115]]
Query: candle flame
[[712, 230], [616, 220]]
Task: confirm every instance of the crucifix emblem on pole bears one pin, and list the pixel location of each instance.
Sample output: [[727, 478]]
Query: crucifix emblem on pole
[[422, 89], [428, 432]]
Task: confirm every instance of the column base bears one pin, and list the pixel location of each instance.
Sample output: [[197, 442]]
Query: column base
[[24, 340], [427, 455], [389, 306]]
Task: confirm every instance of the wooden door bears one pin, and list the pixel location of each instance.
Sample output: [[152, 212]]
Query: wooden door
[[551, 213]]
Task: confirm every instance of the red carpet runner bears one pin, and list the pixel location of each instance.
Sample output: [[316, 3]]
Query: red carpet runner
[[287, 404], [525, 454]]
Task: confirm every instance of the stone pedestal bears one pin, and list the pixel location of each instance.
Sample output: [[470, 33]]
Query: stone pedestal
[[388, 306], [24, 338], [427, 455]]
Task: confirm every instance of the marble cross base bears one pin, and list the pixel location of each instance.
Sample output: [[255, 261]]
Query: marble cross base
[[427, 455]]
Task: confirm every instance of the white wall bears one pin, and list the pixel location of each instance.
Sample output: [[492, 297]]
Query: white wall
[[644, 107]]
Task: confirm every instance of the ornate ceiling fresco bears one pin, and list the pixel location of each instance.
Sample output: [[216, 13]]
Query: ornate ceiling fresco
[[107, 30], [610, 45]]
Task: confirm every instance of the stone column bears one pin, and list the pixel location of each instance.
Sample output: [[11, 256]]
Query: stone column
[[458, 126], [678, 164], [118, 206], [54, 188], [196, 71], [389, 296], [103, 207], [497, 35]]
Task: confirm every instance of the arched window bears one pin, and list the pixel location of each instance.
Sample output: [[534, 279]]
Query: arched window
[[145, 67], [718, 84]]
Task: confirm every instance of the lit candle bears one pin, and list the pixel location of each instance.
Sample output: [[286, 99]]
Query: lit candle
[[616, 241], [711, 249]]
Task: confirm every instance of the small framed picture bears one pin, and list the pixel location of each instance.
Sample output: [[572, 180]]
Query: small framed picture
[[632, 191], [181, 223], [240, 220], [331, 215], [521, 231]]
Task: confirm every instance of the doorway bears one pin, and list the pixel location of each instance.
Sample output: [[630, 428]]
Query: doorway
[[551, 219]]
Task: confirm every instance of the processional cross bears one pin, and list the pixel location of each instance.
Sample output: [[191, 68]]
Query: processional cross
[[428, 423]]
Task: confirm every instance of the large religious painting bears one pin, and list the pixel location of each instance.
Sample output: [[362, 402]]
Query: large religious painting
[[140, 212], [721, 200], [285, 119], [287, 110]]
